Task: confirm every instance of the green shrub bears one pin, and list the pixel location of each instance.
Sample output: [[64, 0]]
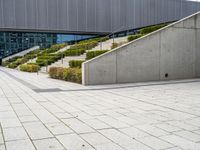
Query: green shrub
[[67, 74], [12, 65], [84, 45], [98, 39], [151, 28], [42, 62], [14, 59], [72, 75], [30, 67], [103, 39], [56, 72], [92, 54], [5, 63], [47, 59], [73, 52], [20, 61], [134, 37], [114, 45], [53, 49], [75, 63], [58, 46], [30, 56]]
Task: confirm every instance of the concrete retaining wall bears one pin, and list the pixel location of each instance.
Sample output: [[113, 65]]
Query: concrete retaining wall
[[170, 53]]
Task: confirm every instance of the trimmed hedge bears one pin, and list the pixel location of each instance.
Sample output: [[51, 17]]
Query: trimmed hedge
[[114, 45], [30, 67], [32, 55], [5, 63], [152, 28], [12, 65], [144, 31], [74, 52], [48, 59], [75, 63], [14, 59], [67, 74], [134, 37], [17, 62], [92, 54], [98, 39], [85, 45], [54, 48]]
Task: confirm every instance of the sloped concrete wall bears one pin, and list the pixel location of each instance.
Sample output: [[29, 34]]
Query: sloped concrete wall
[[170, 53]]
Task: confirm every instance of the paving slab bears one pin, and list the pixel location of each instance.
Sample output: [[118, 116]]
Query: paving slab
[[39, 113]]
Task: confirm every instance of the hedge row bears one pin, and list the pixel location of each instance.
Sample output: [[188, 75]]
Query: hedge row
[[74, 52], [150, 29], [134, 37], [75, 63], [53, 48], [67, 74], [92, 54], [86, 45], [99, 39], [114, 45], [17, 62], [144, 31], [48, 59], [30, 67]]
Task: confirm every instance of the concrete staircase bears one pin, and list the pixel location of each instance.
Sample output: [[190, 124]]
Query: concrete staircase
[[63, 49], [63, 62], [170, 53], [106, 45]]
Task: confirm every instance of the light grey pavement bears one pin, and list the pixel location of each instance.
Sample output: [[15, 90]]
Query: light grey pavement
[[45, 114]]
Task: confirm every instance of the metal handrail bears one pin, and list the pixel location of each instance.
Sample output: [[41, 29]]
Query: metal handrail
[[112, 33]]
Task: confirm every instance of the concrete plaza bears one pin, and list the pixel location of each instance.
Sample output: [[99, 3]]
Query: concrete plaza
[[37, 112]]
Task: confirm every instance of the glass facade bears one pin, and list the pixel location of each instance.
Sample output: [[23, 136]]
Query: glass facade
[[14, 42]]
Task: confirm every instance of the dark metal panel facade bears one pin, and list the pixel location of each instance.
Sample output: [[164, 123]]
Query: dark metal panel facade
[[31, 14], [90, 16]]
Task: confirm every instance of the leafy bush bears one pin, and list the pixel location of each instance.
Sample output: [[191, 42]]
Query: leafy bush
[[20, 61], [134, 37], [5, 63], [72, 75], [92, 54], [98, 39], [67, 74], [12, 65], [73, 52], [75, 63], [85, 45], [14, 59], [58, 46], [32, 54], [103, 39], [29, 67], [56, 72], [53, 49], [114, 45], [48, 59], [151, 29]]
